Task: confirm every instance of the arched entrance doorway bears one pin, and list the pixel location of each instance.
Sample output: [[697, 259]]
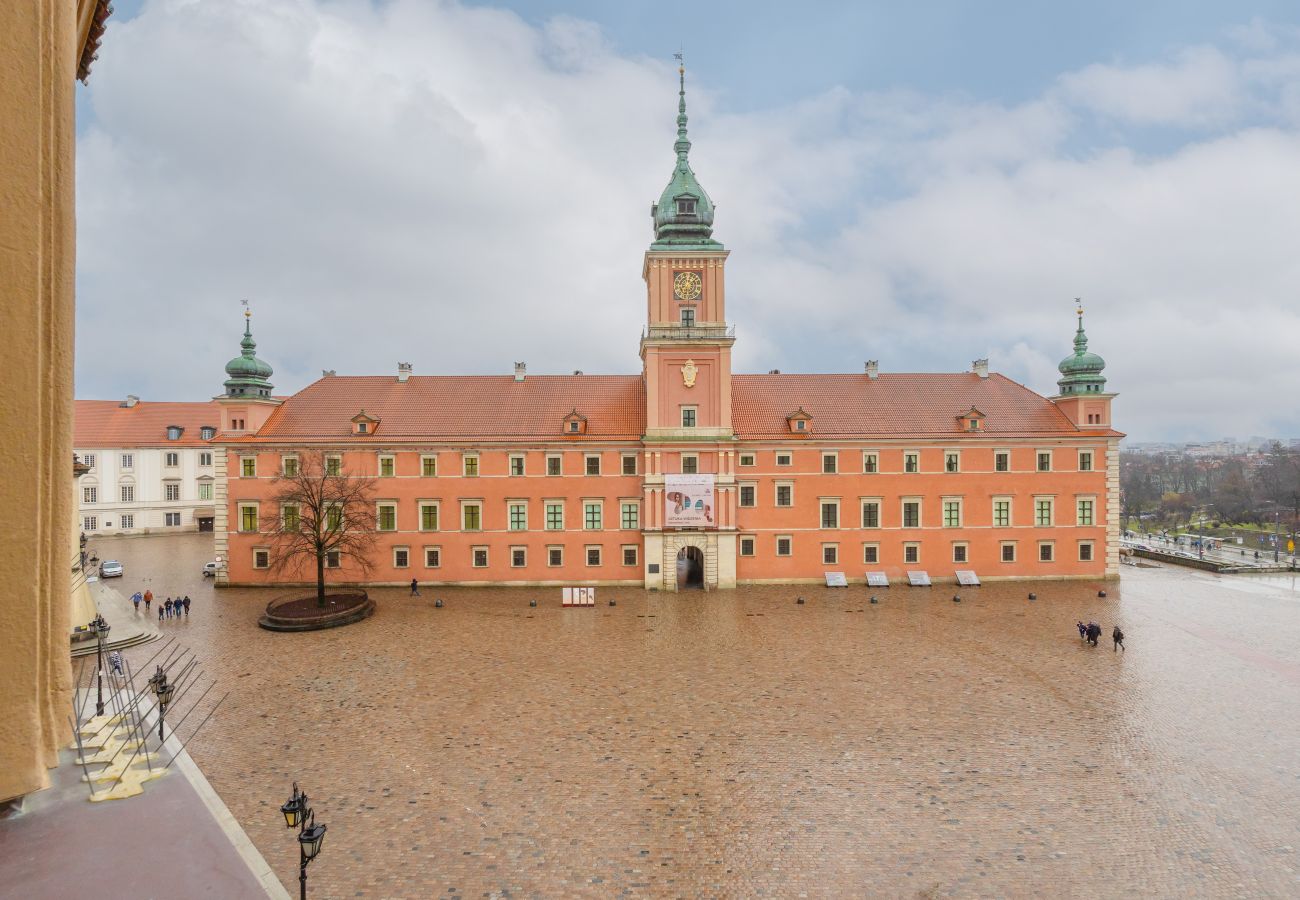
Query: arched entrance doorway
[[690, 568]]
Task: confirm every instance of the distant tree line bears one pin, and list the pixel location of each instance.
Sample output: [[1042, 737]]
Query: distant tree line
[[1176, 489]]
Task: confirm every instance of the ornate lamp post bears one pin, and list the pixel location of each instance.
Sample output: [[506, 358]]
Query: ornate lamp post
[[297, 814], [100, 627], [163, 691]]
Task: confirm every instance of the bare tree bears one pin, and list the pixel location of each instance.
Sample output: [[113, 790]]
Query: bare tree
[[320, 510]]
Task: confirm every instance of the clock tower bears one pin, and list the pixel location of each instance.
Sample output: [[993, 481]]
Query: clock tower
[[686, 347]]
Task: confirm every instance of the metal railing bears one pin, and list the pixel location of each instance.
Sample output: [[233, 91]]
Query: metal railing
[[688, 332]]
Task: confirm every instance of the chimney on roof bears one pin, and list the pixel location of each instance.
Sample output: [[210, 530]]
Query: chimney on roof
[[403, 372], [774, 371], [326, 373], [980, 367], [521, 370], [577, 371], [130, 401], [872, 367]]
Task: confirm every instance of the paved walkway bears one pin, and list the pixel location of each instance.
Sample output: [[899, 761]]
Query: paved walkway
[[128, 627]]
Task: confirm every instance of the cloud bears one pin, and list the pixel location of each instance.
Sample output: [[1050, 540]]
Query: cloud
[[456, 187]]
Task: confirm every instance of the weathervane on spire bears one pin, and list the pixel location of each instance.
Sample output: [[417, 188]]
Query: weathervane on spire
[[1078, 306], [248, 313]]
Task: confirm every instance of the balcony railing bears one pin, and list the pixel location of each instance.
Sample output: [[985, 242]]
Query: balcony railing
[[688, 332]]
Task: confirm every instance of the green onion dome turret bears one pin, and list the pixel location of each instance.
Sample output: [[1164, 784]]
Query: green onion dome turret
[[1081, 371], [248, 374]]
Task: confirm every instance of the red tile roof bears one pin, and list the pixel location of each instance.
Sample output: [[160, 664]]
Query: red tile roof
[[903, 404], [101, 424], [452, 407]]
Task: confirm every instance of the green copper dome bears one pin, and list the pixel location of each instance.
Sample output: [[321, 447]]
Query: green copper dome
[[247, 373], [1081, 371], [683, 217]]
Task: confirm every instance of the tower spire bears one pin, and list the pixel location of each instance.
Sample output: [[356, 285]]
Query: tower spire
[[683, 145], [683, 217]]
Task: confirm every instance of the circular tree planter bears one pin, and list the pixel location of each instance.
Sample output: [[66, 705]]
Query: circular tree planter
[[299, 613]]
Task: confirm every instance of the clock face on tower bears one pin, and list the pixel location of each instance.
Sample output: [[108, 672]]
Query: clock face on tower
[[687, 285]]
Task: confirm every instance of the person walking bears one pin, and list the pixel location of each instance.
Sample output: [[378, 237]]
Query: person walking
[[135, 601], [115, 663], [1118, 637], [160, 612], [415, 588], [148, 600], [1083, 630], [186, 604], [168, 606], [1094, 632]]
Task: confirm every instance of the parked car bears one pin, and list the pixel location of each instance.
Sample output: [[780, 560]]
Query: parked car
[[110, 568], [210, 569]]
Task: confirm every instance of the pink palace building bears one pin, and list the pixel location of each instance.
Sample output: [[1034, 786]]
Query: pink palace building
[[687, 474]]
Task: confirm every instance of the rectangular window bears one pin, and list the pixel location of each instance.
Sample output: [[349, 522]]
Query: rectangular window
[[690, 464], [171, 459], [554, 556], [205, 459], [290, 520], [1001, 513], [783, 459], [479, 555], [172, 519], [333, 518], [870, 513], [593, 556], [747, 546], [1044, 460], [593, 465], [432, 557], [688, 416], [952, 461], [428, 517], [128, 460], [911, 462], [784, 545], [1042, 511], [1046, 551], [334, 465], [205, 490], [518, 557], [90, 523], [688, 317], [871, 554], [959, 553], [746, 459], [128, 492], [748, 495], [830, 554], [554, 516], [871, 463], [261, 559], [629, 555], [591, 516], [911, 553], [516, 464], [830, 514], [171, 491], [1085, 460], [629, 464], [518, 516], [387, 466], [248, 466], [911, 513], [830, 463], [333, 559], [401, 557], [429, 466], [469, 466], [553, 465], [128, 521], [1001, 461], [386, 517], [91, 495], [248, 517], [785, 495], [631, 515], [1085, 551], [952, 514], [88, 459], [1084, 512], [289, 466], [471, 517]]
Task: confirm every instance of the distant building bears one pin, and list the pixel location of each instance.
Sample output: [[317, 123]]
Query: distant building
[[151, 466], [685, 473]]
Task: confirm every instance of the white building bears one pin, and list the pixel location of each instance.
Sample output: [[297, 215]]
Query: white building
[[151, 466]]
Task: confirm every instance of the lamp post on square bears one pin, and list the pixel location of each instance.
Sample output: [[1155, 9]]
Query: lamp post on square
[[163, 690], [299, 814]]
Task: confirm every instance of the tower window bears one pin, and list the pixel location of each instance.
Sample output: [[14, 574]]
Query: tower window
[[686, 207], [688, 317]]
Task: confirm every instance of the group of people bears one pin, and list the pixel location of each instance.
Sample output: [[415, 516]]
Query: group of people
[[1092, 631], [168, 609]]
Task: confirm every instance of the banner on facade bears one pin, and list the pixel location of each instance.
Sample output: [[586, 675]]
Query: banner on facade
[[688, 501]]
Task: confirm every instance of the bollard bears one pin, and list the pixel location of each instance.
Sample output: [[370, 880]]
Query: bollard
[[532, 602], [1101, 593], [1033, 596], [799, 601], [873, 599], [956, 598], [437, 604], [612, 603]]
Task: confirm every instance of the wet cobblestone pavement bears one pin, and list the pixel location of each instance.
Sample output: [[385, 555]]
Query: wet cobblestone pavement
[[737, 744]]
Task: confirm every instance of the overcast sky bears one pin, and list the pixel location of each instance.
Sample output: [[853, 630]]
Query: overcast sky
[[464, 185]]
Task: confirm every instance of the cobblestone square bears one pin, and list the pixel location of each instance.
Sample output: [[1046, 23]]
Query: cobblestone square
[[739, 744]]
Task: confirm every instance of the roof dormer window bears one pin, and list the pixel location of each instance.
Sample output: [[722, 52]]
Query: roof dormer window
[[207, 432], [799, 422], [364, 424], [685, 206], [575, 423], [174, 432]]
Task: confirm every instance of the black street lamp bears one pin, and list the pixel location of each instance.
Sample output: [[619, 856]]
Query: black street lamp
[[297, 814], [163, 691], [100, 627]]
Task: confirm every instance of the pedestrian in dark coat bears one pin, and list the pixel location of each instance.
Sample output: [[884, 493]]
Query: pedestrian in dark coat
[[160, 612], [1094, 632], [186, 602], [168, 607], [1083, 630], [1118, 637], [415, 588]]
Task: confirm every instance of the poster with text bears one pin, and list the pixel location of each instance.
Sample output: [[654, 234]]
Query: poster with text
[[688, 501]]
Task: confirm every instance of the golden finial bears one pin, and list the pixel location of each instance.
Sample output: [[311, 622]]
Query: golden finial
[[248, 313], [1078, 306]]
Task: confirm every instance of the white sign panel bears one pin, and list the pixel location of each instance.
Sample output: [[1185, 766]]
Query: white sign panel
[[688, 501]]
